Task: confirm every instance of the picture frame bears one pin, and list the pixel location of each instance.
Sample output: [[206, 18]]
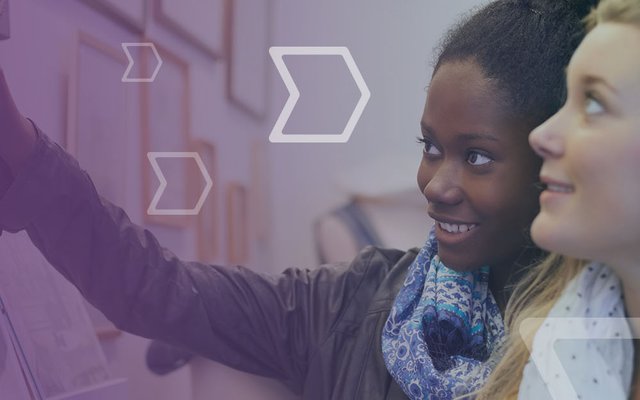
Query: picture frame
[[207, 220], [101, 129], [237, 221], [130, 13], [259, 190], [50, 330], [248, 42], [200, 22], [166, 128]]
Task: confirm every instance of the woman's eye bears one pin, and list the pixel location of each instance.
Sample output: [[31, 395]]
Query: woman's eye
[[476, 158], [429, 147], [592, 105]]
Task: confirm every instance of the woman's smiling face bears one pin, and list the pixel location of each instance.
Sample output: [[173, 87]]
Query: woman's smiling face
[[478, 172], [591, 151]]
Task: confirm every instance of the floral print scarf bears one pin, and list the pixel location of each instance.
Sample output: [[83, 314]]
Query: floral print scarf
[[441, 330]]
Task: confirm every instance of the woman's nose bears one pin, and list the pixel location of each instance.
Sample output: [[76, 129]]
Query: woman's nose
[[444, 187], [546, 140]]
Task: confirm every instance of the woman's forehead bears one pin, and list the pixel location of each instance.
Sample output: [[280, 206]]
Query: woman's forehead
[[611, 53], [461, 99]]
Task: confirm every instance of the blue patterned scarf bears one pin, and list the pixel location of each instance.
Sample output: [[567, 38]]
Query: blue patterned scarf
[[442, 329]]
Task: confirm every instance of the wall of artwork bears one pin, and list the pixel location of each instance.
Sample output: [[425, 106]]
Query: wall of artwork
[[218, 94], [74, 60]]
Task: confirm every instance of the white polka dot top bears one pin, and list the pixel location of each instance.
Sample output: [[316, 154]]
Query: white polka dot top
[[582, 350]]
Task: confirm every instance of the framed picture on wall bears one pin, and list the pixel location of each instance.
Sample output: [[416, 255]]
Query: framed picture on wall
[[249, 60], [101, 116], [131, 13], [236, 210], [166, 130], [201, 22], [207, 220], [259, 193]]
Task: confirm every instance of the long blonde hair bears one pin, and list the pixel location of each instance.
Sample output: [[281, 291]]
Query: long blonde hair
[[538, 291], [532, 297]]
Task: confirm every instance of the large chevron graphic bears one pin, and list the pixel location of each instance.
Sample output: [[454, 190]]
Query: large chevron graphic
[[277, 134]]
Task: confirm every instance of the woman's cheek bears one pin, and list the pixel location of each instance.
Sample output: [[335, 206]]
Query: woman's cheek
[[424, 175]]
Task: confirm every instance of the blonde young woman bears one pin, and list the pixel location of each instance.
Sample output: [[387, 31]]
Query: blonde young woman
[[590, 210]]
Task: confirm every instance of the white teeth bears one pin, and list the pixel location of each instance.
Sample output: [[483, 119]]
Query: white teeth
[[452, 228], [559, 188]]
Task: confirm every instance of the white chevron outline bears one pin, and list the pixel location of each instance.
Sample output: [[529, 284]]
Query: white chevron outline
[[125, 76], [153, 207], [560, 387], [277, 135]]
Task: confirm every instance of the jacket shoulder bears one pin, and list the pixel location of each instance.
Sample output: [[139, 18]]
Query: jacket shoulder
[[381, 259], [380, 274]]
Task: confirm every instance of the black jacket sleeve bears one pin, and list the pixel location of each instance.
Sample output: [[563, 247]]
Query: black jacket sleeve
[[269, 325]]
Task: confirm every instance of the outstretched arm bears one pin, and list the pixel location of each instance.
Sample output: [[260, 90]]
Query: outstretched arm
[[256, 323]]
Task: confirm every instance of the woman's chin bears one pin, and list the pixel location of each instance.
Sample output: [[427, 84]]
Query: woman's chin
[[544, 232]]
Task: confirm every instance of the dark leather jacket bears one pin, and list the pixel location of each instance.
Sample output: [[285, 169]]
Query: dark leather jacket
[[318, 331]]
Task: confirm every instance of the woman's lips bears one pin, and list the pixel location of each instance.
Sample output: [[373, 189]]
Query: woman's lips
[[457, 228], [554, 189], [454, 234], [451, 232], [555, 185]]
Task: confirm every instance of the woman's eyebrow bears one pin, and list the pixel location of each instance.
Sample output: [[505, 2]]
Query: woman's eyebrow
[[472, 136], [426, 129], [589, 80], [464, 136]]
